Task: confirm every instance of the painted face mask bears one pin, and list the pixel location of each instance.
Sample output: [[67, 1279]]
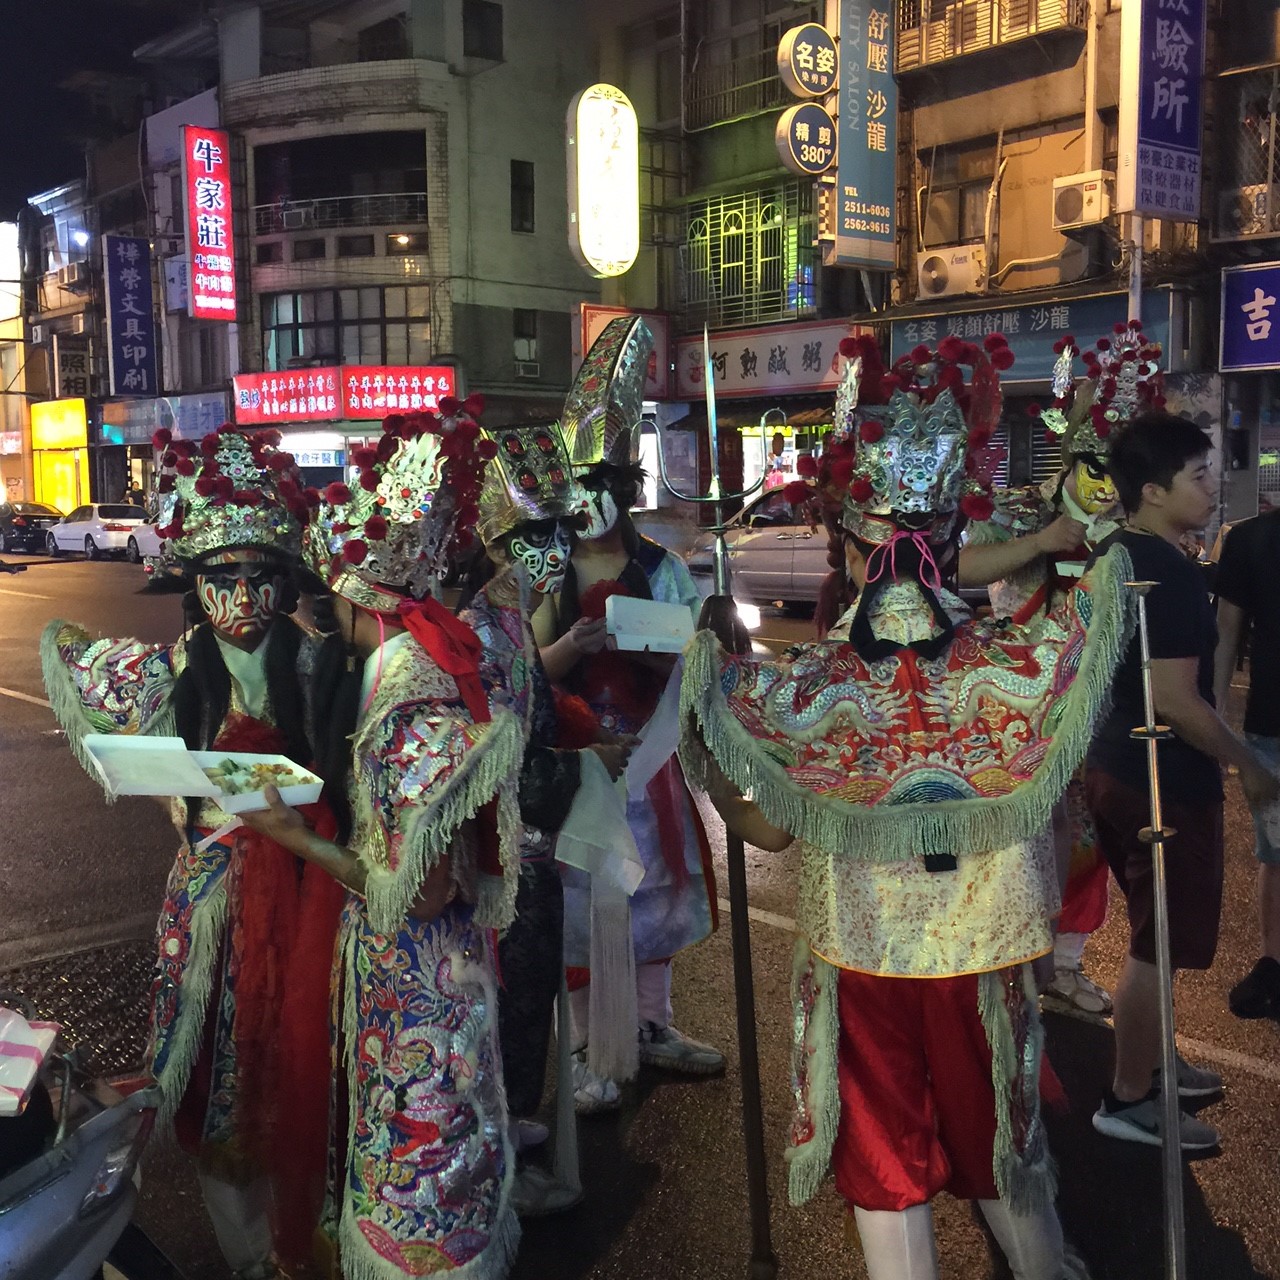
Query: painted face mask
[[601, 511], [544, 554], [1094, 489], [240, 598]]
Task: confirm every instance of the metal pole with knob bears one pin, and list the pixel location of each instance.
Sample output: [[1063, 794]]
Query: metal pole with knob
[[1175, 1232]]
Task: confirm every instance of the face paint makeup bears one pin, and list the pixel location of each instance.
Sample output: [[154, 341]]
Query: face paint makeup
[[1094, 489], [240, 600], [545, 555], [602, 513]]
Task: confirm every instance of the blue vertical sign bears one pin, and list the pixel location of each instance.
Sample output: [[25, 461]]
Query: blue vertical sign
[[1161, 90], [131, 324], [1250, 317], [867, 155]]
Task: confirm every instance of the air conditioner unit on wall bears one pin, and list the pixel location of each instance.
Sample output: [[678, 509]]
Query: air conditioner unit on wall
[[528, 369], [39, 335], [82, 323], [1246, 211], [1082, 199], [74, 276], [944, 273]]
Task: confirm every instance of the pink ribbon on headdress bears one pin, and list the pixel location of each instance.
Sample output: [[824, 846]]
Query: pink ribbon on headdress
[[887, 553]]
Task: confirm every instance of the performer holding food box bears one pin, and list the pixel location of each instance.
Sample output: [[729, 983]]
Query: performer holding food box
[[239, 1025]]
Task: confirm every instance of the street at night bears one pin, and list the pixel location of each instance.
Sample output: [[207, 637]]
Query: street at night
[[82, 882]]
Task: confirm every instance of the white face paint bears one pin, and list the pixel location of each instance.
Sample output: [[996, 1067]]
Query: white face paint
[[602, 513], [545, 555]]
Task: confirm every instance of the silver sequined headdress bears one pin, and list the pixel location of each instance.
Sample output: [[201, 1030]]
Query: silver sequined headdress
[[528, 479], [607, 396]]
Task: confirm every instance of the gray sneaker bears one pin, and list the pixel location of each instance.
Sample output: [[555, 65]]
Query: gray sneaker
[[592, 1093], [672, 1050], [1193, 1082], [1141, 1122]]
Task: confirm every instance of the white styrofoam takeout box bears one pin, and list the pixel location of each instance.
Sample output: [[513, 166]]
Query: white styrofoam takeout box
[[652, 625], [137, 765]]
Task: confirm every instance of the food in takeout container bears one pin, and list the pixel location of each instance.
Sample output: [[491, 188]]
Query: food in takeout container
[[243, 777]]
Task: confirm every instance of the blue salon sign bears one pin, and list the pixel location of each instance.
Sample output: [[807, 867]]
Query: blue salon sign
[[1250, 320], [1161, 92], [1032, 331], [808, 61], [131, 325], [805, 136], [866, 165]]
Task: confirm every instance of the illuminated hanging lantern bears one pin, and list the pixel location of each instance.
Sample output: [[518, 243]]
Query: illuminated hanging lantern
[[603, 154]]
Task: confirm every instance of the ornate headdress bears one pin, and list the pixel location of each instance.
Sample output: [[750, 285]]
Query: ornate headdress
[[528, 479], [608, 394], [413, 503], [912, 446], [234, 489], [1122, 376]]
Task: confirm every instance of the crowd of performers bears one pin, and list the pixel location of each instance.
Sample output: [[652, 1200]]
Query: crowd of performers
[[355, 1003]]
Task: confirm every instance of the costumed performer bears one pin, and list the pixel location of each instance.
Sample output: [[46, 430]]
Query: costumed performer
[[527, 520], [916, 756], [674, 907], [1033, 550], [427, 848], [239, 1036]]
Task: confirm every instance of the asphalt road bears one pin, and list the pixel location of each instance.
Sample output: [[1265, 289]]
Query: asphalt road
[[665, 1176]]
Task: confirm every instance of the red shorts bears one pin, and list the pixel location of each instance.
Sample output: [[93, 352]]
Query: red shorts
[[917, 1106]]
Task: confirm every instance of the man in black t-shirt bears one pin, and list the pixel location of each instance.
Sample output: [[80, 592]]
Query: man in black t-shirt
[[1247, 596], [1160, 465]]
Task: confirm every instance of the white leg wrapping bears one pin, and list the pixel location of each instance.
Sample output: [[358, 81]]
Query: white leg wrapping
[[240, 1220], [898, 1246], [653, 992], [1032, 1242], [1068, 950]]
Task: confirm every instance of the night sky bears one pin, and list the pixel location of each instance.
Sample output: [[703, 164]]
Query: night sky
[[42, 127]]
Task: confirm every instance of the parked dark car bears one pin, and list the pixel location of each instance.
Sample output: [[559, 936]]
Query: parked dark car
[[24, 526]]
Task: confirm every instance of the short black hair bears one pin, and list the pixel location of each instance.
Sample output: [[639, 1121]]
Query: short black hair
[[1152, 449]]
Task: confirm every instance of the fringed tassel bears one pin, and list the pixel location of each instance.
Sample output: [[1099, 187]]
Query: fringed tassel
[[894, 833], [490, 768], [496, 897], [613, 1048], [565, 1166], [1024, 1171], [814, 1072], [208, 920]]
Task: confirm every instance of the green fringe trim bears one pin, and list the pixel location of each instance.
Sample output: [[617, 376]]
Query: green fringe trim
[[985, 533], [1025, 1179], [894, 833], [68, 706], [490, 769], [358, 1260], [819, 1040], [208, 921]]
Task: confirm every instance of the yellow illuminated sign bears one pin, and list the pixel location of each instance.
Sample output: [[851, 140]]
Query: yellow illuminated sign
[[59, 424], [604, 180]]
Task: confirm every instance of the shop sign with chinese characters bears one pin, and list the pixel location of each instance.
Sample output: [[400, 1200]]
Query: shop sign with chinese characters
[[1032, 331], [186, 417], [330, 394], [1250, 320], [781, 360], [1162, 46], [602, 141], [805, 136], [866, 167], [808, 61], [131, 325], [206, 178], [70, 366]]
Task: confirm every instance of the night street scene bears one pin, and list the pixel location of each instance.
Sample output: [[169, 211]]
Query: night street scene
[[640, 640]]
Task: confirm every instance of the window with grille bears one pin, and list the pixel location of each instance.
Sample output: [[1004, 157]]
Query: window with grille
[[1249, 124], [524, 333], [750, 256], [957, 182], [369, 325]]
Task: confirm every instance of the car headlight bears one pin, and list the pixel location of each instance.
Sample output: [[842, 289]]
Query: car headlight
[[749, 614]]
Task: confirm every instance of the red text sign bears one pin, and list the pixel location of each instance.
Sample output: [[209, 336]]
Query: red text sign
[[206, 173], [373, 391]]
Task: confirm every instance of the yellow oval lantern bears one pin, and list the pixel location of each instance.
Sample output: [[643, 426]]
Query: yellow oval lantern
[[603, 153]]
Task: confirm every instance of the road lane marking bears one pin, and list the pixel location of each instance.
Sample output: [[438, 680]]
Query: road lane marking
[[25, 697], [26, 595], [1244, 1062]]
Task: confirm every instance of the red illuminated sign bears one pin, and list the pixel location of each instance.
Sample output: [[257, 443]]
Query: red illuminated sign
[[302, 395], [206, 178], [351, 391], [373, 391]]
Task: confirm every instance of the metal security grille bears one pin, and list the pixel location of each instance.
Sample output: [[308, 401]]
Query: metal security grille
[[1248, 111], [932, 31], [750, 257]]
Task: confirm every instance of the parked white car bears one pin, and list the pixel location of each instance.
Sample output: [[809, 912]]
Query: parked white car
[[144, 543], [101, 528]]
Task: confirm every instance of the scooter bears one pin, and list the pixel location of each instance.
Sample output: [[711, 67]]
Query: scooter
[[69, 1176]]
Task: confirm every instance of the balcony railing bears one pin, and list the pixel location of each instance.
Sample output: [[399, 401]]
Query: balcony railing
[[731, 90], [934, 31], [340, 211]]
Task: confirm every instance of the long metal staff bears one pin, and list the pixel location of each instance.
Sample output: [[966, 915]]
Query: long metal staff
[[720, 614], [1175, 1233]]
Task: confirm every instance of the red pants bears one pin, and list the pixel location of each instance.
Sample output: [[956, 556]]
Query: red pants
[[917, 1106]]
